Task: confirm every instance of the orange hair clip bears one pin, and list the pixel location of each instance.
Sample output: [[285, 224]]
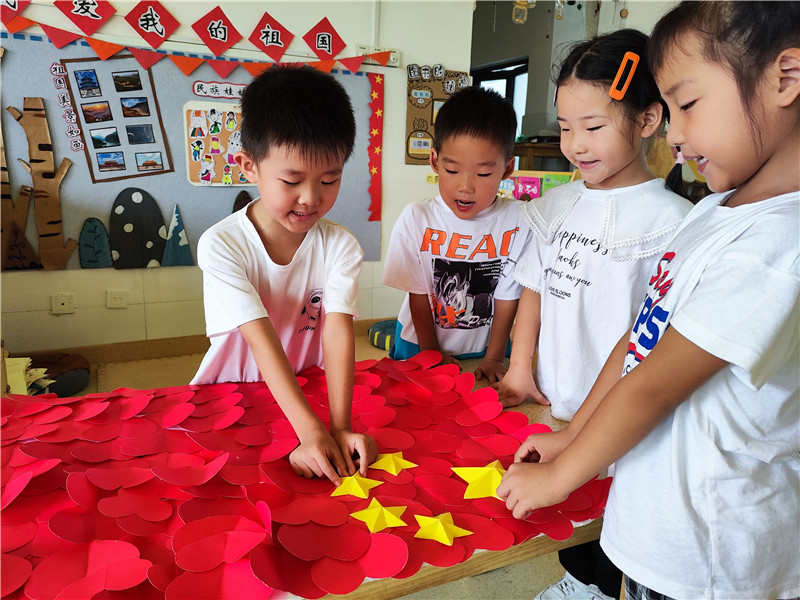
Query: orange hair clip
[[619, 94]]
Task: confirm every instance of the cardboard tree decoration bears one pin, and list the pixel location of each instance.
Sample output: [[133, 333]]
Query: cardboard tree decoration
[[13, 218], [94, 249], [46, 183]]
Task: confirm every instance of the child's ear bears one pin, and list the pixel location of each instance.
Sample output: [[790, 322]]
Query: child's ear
[[247, 166], [651, 119], [509, 167], [434, 159], [788, 66]]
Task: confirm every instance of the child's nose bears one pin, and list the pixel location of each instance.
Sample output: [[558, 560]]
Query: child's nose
[[466, 183], [310, 196]]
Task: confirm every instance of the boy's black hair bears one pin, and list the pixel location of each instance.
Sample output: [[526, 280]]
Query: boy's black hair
[[597, 61], [300, 108], [743, 37], [480, 113]]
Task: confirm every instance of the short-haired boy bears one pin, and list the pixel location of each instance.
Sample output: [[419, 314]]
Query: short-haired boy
[[455, 254], [279, 281]]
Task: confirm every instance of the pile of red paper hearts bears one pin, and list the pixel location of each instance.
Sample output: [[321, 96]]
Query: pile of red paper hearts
[[187, 492]]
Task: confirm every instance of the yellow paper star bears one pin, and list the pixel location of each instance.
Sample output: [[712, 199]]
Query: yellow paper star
[[379, 112], [374, 132], [378, 150], [483, 481], [441, 528], [374, 170], [374, 95], [356, 485], [391, 463], [379, 79], [379, 517]]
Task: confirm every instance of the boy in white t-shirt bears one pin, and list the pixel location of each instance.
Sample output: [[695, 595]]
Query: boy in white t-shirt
[[279, 281], [455, 254]]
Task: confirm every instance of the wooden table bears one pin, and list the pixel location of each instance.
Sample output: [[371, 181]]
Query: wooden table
[[480, 562], [527, 151]]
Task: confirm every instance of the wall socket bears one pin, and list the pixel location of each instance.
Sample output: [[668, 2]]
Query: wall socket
[[116, 298], [62, 303], [365, 49]]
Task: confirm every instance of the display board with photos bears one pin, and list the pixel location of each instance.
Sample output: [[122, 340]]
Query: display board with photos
[[117, 110]]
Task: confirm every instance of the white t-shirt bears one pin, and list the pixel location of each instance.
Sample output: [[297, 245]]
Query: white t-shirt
[[241, 283], [708, 504], [591, 270], [462, 265]]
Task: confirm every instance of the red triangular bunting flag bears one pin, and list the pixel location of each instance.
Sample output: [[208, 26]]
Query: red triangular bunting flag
[[223, 68], [103, 49], [381, 57], [59, 37], [10, 10], [353, 63], [19, 23], [187, 64], [146, 58], [87, 15], [323, 65], [256, 68]]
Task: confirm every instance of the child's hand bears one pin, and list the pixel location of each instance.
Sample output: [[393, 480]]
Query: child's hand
[[449, 359], [492, 369], [319, 455], [528, 486], [517, 386], [542, 447], [352, 444]]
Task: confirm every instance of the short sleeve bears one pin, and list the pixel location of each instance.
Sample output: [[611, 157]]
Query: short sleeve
[[403, 267], [746, 313], [528, 271], [229, 298], [341, 281]]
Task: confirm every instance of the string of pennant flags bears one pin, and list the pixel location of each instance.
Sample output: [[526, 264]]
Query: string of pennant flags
[[154, 24]]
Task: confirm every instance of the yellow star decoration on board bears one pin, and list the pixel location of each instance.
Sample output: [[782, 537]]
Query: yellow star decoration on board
[[379, 517], [379, 112], [355, 485], [391, 463], [374, 132], [374, 170], [374, 95], [379, 79], [440, 529], [482, 481], [378, 150]]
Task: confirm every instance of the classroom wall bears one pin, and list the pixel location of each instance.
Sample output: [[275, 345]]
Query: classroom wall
[[167, 302]]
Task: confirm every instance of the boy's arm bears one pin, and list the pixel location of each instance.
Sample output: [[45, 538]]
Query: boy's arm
[[338, 349], [492, 366], [517, 385], [631, 409], [422, 317], [317, 454]]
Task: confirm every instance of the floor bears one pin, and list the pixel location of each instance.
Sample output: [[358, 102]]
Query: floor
[[519, 581]]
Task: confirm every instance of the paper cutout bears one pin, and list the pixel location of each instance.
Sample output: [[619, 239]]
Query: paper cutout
[[271, 37], [355, 485], [379, 517], [10, 10], [391, 463], [324, 41], [216, 31], [146, 58], [103, 49], [152, 22], [87, 15], [194, 499], [353, 63], [482, 481], [186, 64], [439, 528]]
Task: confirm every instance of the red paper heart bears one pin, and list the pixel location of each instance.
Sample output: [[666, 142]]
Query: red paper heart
[[311, 541], [232, 581], [204, 544]]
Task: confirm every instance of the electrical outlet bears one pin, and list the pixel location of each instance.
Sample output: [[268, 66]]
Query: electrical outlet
[[394, 59], [62, 303], [362, 49], [116, 298]]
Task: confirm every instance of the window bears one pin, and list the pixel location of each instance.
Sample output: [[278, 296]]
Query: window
[[510, 80]]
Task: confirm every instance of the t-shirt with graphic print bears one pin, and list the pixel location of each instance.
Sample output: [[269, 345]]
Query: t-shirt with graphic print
[[241, 283], [461, 265], [590, 265]]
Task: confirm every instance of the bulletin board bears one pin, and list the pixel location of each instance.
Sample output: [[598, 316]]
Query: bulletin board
[[32, 67], [428, 88], [212, 135]]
